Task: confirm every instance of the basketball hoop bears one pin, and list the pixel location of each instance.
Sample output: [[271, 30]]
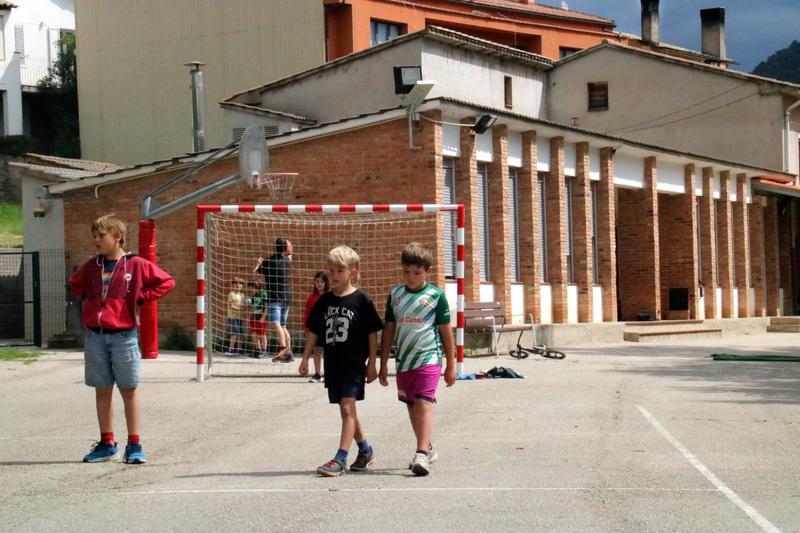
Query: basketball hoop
[[279, 184]]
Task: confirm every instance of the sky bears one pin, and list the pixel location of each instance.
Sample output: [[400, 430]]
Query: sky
[[754, 28]]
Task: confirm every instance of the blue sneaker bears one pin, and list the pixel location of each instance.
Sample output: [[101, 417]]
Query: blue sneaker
[[134, 454], [102, 451]]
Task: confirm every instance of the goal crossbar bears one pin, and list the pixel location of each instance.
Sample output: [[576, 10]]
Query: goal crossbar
[[204, 210]]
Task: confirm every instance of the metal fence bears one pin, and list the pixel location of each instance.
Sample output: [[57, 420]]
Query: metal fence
[[35, 304]]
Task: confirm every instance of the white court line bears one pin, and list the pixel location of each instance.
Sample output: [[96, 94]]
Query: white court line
[[754, 515], [412, 489]]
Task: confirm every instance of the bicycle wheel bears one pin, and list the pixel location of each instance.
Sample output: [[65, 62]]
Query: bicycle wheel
[[518, 354], [552, 354]]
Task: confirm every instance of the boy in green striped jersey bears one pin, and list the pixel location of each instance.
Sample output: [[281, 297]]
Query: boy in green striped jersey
[[418, 322]]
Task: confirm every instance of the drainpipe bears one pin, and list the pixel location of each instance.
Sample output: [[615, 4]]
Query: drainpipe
[[198, 106], [786, 129]]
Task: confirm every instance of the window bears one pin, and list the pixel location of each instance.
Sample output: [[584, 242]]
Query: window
[[482, 219], [543, 272], [598, 96], [19, 42], [508, 92], [564, 51], [569, 185], [595, 258], [513, 210], [449, 197], [380, 31]]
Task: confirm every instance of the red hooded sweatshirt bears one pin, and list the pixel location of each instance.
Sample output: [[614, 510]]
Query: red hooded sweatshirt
[[133, 282]]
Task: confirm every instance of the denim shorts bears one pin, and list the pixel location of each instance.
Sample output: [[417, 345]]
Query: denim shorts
[[278, 313], [236, 326], [112, 358]]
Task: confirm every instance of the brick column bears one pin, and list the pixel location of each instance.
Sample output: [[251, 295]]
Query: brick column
[[725, 239], [741, 244], [757, 257], [678, 245], [432, 140], [639, 269], [557, 230], [582, 237], [499, 219], [467, 194], [606, 234], [530, 237], [785, 246], [772, 257], [708, 243]]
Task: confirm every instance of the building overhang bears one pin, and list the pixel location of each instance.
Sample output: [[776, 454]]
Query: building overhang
[[771, 187]]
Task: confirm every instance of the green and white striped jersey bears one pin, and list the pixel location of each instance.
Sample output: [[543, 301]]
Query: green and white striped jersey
[[417, 317]]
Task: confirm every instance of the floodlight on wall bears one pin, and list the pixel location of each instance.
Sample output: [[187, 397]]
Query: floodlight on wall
[[405, 78], [484, 123]]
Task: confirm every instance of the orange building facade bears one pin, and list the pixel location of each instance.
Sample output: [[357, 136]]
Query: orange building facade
[[354, 25]]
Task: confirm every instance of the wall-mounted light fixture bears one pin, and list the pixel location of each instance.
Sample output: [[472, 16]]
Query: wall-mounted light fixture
[[484, 123], [405, 78]]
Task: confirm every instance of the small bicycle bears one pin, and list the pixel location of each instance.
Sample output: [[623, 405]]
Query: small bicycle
[[522, 352]]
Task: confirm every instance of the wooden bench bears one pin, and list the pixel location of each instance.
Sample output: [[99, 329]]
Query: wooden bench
[[490, 316]]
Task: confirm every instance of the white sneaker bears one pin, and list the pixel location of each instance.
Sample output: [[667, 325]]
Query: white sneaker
[[421, 466], [432, 457]]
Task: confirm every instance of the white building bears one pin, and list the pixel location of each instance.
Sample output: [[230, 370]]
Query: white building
[[29, 45]]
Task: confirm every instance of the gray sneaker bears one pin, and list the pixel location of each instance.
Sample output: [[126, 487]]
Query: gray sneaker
[[420, 465]]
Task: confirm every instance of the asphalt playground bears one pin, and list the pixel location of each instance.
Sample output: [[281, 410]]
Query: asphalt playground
[[613, 438]]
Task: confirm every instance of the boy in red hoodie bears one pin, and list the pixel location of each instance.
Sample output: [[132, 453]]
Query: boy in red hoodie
[[113, 285]]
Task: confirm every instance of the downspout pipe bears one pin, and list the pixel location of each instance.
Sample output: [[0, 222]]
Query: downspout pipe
[[786, 130]]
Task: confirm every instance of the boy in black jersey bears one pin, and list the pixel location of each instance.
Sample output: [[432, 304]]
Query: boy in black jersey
[[346, 321]]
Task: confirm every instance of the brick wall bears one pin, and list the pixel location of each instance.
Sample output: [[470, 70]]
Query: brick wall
[[370, 165], [638, 242], [678, 246]]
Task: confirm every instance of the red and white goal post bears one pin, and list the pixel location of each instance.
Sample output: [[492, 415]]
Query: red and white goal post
[[231, 238]]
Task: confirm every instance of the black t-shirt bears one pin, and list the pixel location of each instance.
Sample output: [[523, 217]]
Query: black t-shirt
[[275, 270], [343, 323]]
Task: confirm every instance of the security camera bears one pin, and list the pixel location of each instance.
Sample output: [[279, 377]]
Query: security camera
[[39, 212]]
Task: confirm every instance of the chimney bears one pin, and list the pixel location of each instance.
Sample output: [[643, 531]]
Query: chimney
[[712, 31], [198, 106], [650, 33]]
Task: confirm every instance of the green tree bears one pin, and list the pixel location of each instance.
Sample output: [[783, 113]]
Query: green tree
[[782, 65], [60, 91]]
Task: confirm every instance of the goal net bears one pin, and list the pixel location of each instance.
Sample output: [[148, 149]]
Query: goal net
[[234, 338]]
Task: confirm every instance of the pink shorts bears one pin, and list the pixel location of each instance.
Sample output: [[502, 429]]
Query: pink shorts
[[418, 383]]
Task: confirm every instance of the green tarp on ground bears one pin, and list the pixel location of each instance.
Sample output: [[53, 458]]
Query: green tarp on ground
[[738, 357]]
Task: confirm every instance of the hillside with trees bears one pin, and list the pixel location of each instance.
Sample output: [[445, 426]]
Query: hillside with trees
[[782, 65]]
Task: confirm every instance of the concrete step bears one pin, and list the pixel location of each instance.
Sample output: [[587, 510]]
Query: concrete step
[[785, 320], [671, 335], [784, 328], [664, 325]]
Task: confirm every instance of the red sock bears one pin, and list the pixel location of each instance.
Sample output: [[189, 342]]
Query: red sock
[[107, 438], [133, 439]]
